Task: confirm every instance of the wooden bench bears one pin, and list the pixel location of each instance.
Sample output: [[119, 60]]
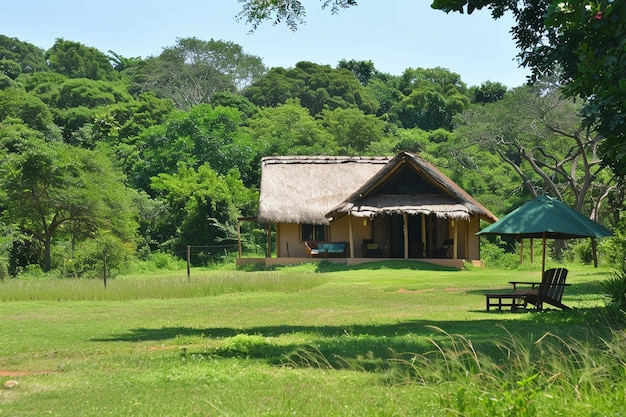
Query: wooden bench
[[549, 291], [317, 249], [513, 300]]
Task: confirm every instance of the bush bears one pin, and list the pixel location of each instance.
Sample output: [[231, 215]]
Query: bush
[[87, 258], [615, 287], [613, 249], [495, 255], [4, 271]]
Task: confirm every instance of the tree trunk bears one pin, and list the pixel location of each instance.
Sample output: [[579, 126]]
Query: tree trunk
[[46, 252]]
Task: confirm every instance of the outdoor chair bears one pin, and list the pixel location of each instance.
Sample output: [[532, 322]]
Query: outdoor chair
[[445, 251], [370, 249], [549, 291]]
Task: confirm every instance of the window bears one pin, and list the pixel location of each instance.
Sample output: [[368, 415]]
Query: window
[[313, 232]]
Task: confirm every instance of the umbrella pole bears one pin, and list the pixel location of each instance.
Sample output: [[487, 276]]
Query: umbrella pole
[[543, 256]]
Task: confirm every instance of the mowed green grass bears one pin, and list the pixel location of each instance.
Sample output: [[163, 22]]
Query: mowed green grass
[[310, 341]]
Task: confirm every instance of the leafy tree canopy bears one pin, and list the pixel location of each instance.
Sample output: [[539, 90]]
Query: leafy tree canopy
[[29, 57], [582, 42], [193, 71], [75, 60], [54, 190], [289, 129], [317, 87]]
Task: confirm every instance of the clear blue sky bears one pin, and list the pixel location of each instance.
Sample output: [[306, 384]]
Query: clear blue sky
[[393, 34]]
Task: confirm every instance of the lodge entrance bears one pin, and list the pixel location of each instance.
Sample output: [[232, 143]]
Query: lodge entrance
[[425, 236]]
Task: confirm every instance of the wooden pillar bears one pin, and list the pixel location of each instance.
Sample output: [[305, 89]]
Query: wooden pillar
[[423, 235], [405, 217], [466, 240], [532, 250], [268, 246], [351, 231], [455, 239], [521, 250]]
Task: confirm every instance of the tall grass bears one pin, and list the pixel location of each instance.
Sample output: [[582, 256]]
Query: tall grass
[[547, 376], [377, 341], [162, 286]]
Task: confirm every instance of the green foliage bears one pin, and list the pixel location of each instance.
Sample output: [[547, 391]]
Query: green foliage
[[55, 190], [201, 205], [498, 255], [28, 57], [87, 257], [16, 103], [291, 12], [289, 129], [615, 287], [431, 99], [353, 130], [488, 92], [75, 60], [317, 87], [585, 42], [202, 135], [193, 71]]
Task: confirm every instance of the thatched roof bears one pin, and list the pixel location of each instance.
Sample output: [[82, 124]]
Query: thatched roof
[[317, 189], [450, 200], [302, 189]]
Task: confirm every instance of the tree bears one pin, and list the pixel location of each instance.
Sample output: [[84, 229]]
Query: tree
[[193, 71], [201, 135], [289, 129], [586, 41], [432, 97], [75, 60], [353, 130], [29, 57], [317, 87], [581, 42], [291, 12], [54, 190], [539, 135], [203, 207], [488, 92], [16, 103], [364, 71]]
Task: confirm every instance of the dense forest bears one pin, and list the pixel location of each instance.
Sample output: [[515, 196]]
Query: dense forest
[[142, 156]]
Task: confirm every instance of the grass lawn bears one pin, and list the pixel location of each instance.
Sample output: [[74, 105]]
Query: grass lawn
[[316, 340]]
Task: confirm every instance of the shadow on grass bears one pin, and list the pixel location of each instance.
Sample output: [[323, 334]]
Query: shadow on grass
[[370, 346]]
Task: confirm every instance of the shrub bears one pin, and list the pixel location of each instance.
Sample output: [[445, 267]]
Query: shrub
[[4, 271], [615, 287]]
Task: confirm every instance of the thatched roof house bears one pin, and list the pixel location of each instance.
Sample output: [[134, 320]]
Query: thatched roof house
[[302, 189], [435, 195], [403, 205]]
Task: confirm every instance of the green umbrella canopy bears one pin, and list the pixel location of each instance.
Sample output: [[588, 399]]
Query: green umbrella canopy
[[546, 217]]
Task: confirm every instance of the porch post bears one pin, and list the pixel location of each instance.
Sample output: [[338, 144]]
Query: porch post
[[406, 235], [423, 245], [455, 244], [467, 240], [268, 247], [351, 235]]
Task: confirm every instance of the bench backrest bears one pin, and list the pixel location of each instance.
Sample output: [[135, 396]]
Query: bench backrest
[[553, 283]]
